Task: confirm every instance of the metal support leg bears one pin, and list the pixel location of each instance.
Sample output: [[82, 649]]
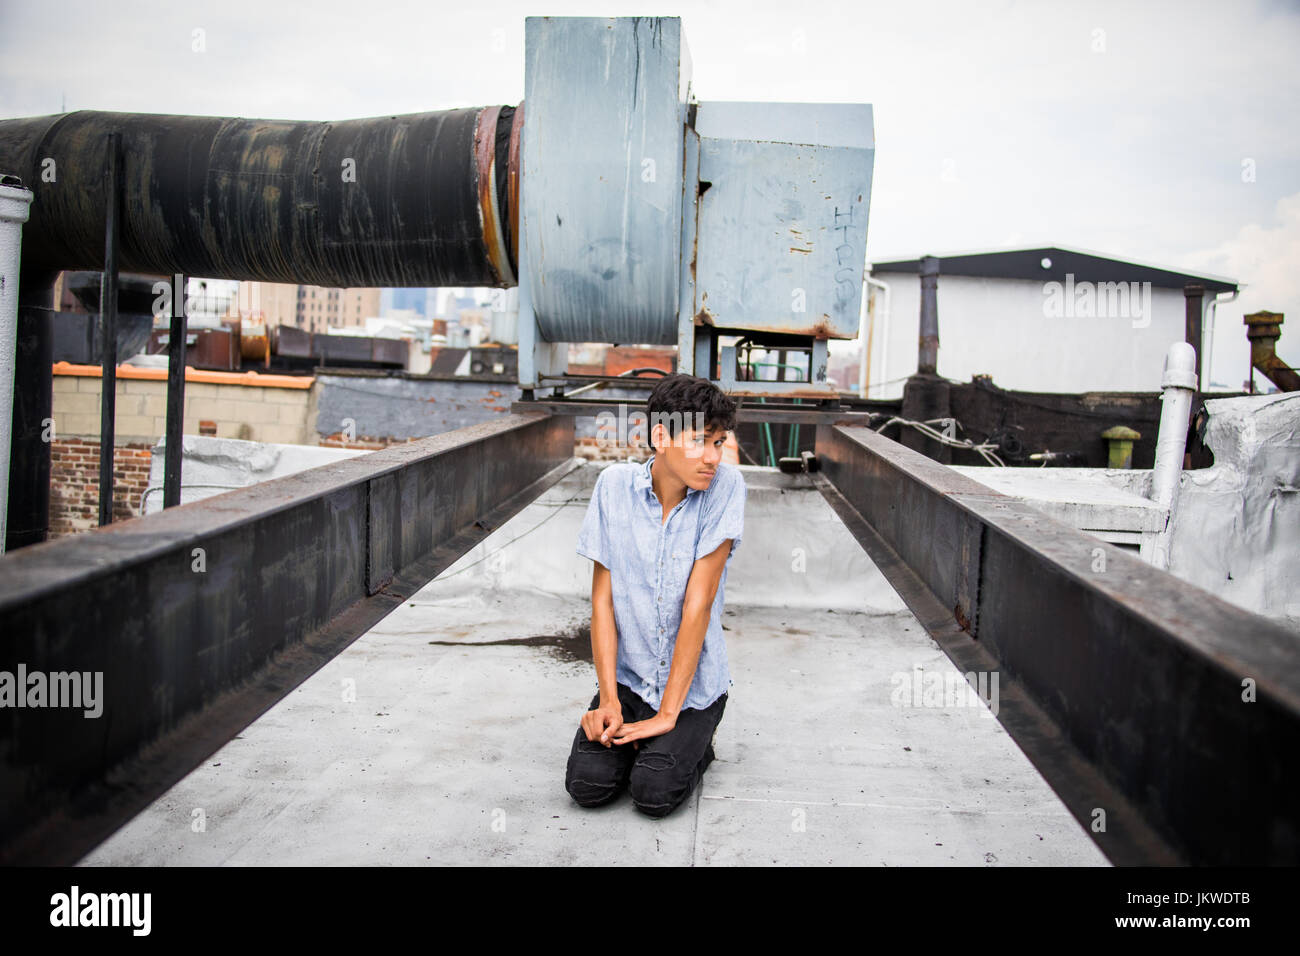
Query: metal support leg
[[175, 440], [108, 329]]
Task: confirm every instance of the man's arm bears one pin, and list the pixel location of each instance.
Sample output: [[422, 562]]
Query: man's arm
[[604, 633], [696, 607], [607, 718]]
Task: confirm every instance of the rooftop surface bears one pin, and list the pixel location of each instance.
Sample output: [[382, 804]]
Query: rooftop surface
[[441, 735], [1080, 497]]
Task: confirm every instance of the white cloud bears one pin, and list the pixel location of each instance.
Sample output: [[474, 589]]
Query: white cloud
[[1265, 258], [1134, 151]]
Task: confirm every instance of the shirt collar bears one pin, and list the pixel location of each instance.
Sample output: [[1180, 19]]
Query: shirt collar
[[643, 479]]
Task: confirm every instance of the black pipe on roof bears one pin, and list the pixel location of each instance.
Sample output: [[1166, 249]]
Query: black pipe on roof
[[388, 201]]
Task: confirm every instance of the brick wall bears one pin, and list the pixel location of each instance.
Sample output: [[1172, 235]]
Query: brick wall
[[74, 483], [620, 359], [595, 449], [226, 409], [250, 412]]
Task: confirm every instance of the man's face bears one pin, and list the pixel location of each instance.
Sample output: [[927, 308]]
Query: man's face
[[693, 455]]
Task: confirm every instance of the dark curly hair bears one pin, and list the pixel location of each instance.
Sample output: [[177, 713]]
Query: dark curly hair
[[680, 400]]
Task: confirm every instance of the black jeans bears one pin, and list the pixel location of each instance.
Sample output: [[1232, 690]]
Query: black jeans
[[660, 775]]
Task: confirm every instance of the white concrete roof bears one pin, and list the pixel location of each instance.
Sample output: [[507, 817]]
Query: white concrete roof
[[1085, 498]]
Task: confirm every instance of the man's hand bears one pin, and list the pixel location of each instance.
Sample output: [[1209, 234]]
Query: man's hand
[[641, 729], [602, 723]]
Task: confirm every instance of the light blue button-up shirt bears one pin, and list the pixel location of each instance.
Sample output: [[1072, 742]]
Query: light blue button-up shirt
[[650, 563]]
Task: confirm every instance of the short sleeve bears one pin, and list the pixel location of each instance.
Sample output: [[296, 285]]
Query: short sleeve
[[724, 517], [593, 539]]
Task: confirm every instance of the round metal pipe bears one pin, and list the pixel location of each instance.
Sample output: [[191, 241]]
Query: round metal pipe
[[1177, 386], [928, 359], [414, 200]]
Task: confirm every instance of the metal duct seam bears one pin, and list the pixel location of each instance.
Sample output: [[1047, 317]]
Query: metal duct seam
[[491, 222]]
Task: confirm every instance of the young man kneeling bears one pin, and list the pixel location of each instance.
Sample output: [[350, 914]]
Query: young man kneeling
[[661, 535]]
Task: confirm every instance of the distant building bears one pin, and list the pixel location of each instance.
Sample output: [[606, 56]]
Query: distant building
[[401, 300], [432, 303], [307, 307], [207, 300], [358, 305], [318, 308], [458, 303], [274, 302], [1048, 320]]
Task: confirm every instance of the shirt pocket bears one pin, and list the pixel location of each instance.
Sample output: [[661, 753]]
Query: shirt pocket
[[680, 562]]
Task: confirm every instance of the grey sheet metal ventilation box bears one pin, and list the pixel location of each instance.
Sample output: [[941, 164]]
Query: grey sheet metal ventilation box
[[783, 221]]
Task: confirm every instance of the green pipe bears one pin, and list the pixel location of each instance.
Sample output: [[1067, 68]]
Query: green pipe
[[794, 438], [769, 450]]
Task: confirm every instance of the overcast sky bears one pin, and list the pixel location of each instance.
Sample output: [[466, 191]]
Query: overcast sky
[[1131, 129]]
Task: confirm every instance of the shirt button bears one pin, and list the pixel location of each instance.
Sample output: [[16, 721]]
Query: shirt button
[[663, 663]]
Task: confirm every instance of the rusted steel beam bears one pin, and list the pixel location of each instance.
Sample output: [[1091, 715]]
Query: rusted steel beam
[[1144, 697], [203, 616], [794, 414], [412, 200]]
